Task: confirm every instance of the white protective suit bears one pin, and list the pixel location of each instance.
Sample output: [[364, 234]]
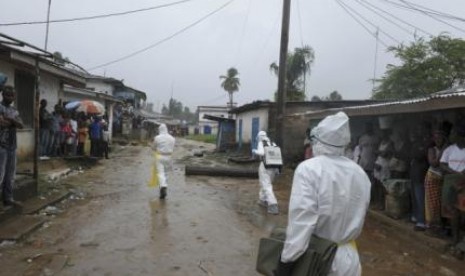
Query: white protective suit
[[265, 176], [329, 198], [164, 144]]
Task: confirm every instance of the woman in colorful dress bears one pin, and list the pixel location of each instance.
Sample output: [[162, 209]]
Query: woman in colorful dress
[[433, 182]]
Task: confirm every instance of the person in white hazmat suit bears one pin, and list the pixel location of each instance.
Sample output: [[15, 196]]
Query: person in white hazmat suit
[[164, 145], [266, 176], [329, 198]]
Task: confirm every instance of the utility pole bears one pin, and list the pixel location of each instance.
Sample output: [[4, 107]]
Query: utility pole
[[281, 104], [48, 24]]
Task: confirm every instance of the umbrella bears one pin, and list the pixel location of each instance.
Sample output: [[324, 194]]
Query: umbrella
[[86, 106], [72, 105]]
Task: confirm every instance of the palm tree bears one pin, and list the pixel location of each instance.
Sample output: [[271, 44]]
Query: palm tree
[[231, 83], [298, 66], [304, 58]]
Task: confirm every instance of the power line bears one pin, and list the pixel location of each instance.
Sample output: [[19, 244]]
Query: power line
[[369, 22], [438, 13], [164, 39], [268, 38], [383, 16], [239, 47], [214, 99], [361, 24], [432, 16], [300, 23], [94, 16], [397, 18], [409, 7]]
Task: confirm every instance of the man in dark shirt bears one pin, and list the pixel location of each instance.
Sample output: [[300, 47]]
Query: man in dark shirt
[[9, 122], [95, 135], [420, 142], [45, 125]]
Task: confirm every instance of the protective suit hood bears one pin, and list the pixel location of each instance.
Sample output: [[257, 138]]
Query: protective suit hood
[[262, 136], [162, 129], [331, 135]]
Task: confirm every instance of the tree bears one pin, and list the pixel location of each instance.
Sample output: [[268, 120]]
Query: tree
[[334, 96], [188, 116], [298, 66], [426, 67], [164, 110], [59, 58], [315, 99], [176, 109], [230, 83]]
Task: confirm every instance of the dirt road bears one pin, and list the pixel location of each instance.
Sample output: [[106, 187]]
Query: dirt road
[[116, 225]]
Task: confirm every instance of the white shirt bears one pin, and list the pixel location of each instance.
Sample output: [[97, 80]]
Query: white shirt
[[368, 145], [383, 173], [106, 136], [74, 125], [454, 157]]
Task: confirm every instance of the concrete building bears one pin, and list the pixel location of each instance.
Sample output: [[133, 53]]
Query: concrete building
[[207, 126], [18, 61], [261, 115]]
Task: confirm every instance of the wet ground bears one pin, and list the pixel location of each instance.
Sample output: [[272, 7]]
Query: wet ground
[[116, 225]]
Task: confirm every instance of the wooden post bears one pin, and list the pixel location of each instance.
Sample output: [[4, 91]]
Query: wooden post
[[36, 121], [281, 103]]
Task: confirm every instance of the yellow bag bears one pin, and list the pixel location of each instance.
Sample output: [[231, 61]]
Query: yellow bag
[[154, 179]]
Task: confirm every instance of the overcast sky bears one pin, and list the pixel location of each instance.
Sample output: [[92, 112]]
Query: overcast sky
[[245, 34]]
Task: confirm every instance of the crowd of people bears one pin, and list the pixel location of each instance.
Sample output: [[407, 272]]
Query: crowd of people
[[65, 132], [432, 158]]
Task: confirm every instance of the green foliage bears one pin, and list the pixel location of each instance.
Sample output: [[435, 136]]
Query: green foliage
[[231, 83], [334, 96], [59, 58], [176, 110], [174, 107], [426, 67], [298, 66], [164, 110], [315, 99], [206, 138]]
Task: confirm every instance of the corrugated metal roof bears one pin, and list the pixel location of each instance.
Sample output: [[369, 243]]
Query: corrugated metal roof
[[217, 118], [439, 100], [304, 104], [251, 106]]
